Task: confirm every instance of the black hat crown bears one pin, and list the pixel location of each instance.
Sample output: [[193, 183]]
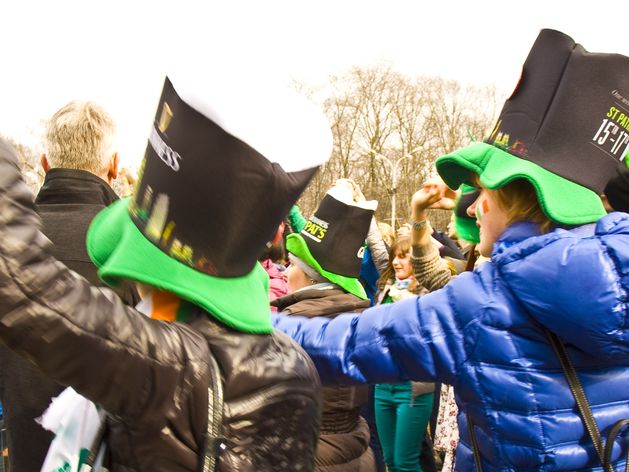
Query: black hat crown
[[570, 111], [335, 234], [208, 198]]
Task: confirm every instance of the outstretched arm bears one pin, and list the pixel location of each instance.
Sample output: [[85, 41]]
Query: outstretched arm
[[415, 339]]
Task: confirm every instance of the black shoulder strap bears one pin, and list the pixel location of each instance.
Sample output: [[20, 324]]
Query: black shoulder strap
[[578, 393], [97, 443], [215, 443], [475, 449], [469, 266]]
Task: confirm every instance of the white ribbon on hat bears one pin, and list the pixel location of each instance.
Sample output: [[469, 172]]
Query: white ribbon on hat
[[343, 194]]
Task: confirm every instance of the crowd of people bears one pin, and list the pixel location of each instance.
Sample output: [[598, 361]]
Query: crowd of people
[[192, 318]]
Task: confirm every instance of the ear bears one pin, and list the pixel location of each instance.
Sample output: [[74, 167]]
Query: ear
[[43, 160], [112, 171]]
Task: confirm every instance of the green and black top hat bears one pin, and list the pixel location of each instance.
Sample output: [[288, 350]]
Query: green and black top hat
[[333, 239], [565, 129], [220, 173]]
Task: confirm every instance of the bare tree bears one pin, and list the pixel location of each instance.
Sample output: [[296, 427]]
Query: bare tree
[[378, 114]]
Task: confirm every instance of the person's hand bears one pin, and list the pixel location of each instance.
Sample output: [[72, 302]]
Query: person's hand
[[448, 196], [403, 232], [423, 199]]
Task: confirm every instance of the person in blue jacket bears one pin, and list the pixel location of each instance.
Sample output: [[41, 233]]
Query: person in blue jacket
[[559, 265]]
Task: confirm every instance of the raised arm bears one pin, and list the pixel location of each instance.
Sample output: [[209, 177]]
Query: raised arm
[[78, 334], [429, 268]]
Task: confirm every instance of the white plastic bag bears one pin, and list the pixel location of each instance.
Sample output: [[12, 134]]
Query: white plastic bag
[[75, 421]]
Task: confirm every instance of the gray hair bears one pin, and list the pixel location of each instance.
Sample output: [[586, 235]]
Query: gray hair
[[311, 272], [81, 135]]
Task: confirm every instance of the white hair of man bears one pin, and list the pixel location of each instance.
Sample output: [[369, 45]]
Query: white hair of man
[[81, 135]]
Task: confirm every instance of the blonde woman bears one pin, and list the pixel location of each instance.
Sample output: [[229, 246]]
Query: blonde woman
[[555, 287]]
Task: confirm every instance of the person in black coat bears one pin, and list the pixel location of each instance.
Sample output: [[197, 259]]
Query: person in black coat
[[81, 165]]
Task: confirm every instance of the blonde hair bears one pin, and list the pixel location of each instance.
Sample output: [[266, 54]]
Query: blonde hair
[[81, 136], [518, 199]]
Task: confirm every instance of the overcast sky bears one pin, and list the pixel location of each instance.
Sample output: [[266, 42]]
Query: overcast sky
[[117, 53]]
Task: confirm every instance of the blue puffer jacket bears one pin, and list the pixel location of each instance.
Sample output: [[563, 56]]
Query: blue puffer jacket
[[481, 333]]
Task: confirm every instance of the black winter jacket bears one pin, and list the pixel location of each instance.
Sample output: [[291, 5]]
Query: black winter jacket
[[66, 203], [344, 440], [152, 377]]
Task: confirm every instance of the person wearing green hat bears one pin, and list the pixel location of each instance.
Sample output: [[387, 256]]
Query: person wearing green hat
[[195, 378], [325, 259], [535, 341]]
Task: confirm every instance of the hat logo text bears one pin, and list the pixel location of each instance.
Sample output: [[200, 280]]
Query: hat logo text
[[315, 228], [170, 157], [612, 136], [165, 118], [502, 140]]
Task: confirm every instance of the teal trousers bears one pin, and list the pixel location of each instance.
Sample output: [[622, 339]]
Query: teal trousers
[[401, 421]]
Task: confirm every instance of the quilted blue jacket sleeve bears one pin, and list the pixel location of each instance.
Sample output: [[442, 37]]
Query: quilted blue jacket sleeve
[[415, 339]]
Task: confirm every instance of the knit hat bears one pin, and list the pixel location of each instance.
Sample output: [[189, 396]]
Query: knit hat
[[219, 174], [565, 129], [333, 239]]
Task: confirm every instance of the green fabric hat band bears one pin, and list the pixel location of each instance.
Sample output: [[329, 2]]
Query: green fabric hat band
[[296, 245], [563, 201]]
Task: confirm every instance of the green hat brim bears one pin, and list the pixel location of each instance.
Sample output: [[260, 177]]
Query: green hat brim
[[296, 245], [563, 201], [121, 251]]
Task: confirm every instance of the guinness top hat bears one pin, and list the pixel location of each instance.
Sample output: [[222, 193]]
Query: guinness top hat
[[225, 161], [565, 129], [333, 239]]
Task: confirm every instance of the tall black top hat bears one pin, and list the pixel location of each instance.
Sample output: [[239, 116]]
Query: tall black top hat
[[565, 128], [224, 163], [333, 239]]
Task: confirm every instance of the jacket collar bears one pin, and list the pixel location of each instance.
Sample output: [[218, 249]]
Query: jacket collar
[[522, 237], [515, 233], [71, 186]]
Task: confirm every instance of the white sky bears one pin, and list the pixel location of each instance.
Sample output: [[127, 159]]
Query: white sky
[[118, 52]]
